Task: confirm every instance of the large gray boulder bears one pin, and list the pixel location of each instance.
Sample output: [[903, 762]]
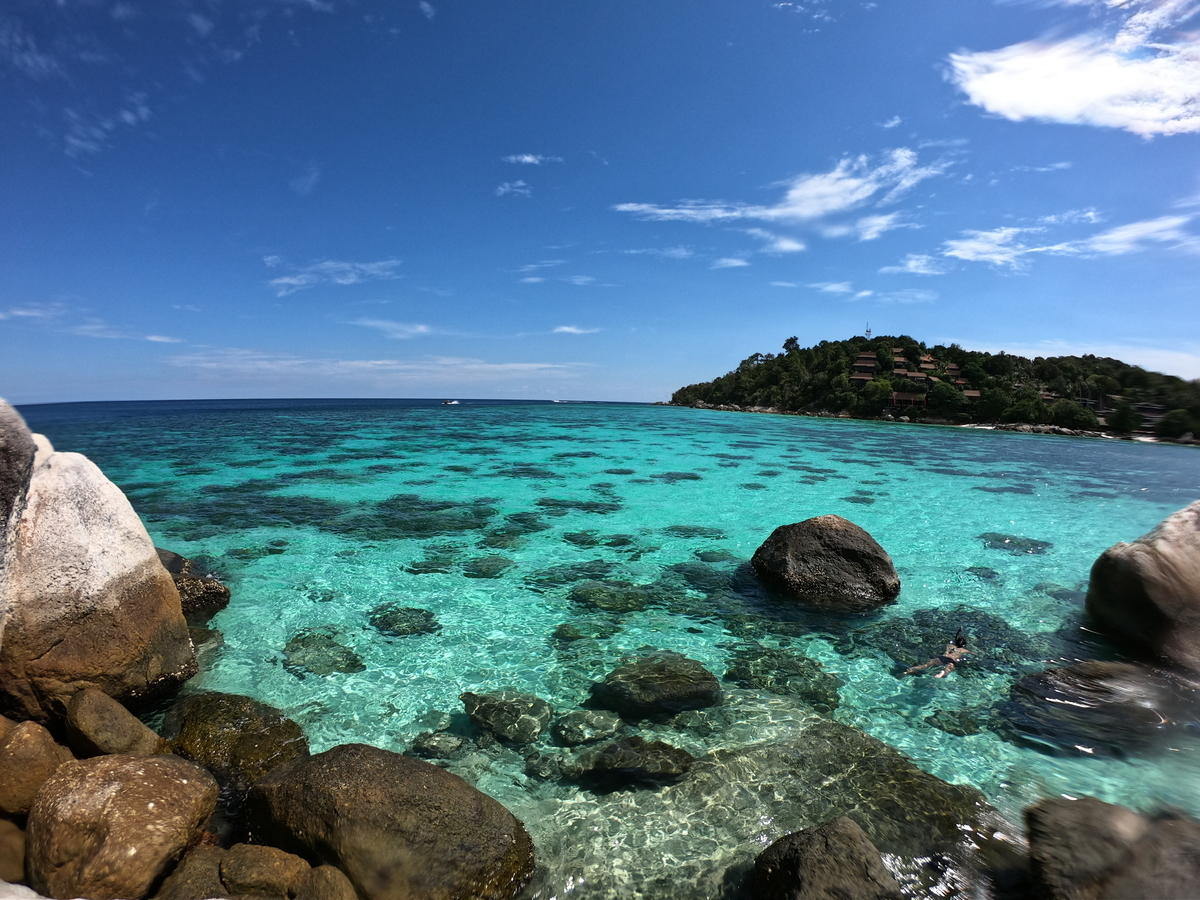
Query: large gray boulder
[[397, 826], [1087, 849], [88, 603], [16, 460], [829, 564], [832, 861], [112, 826], [1147, 593]]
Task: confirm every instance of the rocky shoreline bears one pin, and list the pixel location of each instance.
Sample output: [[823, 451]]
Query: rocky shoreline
[[225, 799]]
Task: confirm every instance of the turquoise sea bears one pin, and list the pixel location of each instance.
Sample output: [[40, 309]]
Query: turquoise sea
[[488, 513]]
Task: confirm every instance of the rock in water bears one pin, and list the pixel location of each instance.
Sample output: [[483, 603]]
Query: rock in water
[[829, 564], [508, 714], [88, 602], [661, 683], [835, 859], [112, 826], [1086, 848], [397, 826], [201, 595], [97, 725], [629, 761], [1148, 592]]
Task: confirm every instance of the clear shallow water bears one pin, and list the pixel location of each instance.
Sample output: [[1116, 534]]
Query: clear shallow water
[[284, 498]]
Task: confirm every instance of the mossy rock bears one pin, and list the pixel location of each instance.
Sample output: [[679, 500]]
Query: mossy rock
[[395, 620]]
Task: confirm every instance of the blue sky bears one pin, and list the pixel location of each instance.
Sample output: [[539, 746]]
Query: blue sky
[[588, 199]]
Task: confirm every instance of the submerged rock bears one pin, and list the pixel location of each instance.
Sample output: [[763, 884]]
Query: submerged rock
[[832, 860], [486, 566], [627, 762], [584, 726], [1097, 709], [1147, 593], [993, 540], [828, 563], [317, 651], [436, 745], [395, 620], [659, 683], [613, 595], [781, 672], [1086, 848], [508, 714], [201, 595], [397, 826]]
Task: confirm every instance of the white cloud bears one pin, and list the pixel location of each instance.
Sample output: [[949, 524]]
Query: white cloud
[[916, 264], [1072, 216], [235, 364], [908, 296], [1132, 80], [571, 329], [1132, 238], [579, 280], [728, 262], [515, 188], [544, 264], [665, 253], [833, 287], [871, 227], [891, 123], [307, 179], [330, 271], [532, 279], [163, 339], [786, 284], [531, 159], [776, 243], [427, 9], [850, 184], [999, 247], [398, 330]]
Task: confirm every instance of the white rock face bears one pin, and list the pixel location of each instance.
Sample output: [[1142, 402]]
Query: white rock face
[[88, 602], [1148, 592]]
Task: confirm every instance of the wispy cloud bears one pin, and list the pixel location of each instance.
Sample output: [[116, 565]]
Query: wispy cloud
[[579, 280], [917, 264], [306, 179], [330, 271], [571, 329], [532, 279], [531, 159], [891, 123], [728, 262], [514, 188], [833, 287], [1137, 79], [852, 183], [664, 253], [427, 9], [786, 284], [998, 247], [544, 264], [1072, 216], [66, 319], [776, 243], [907, 296], [397, 330], [871, 227]]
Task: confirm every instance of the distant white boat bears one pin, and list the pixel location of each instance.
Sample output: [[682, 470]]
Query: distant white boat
[[449, 403]]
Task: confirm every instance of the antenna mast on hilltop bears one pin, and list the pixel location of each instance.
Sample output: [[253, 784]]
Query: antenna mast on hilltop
[[868, 331]]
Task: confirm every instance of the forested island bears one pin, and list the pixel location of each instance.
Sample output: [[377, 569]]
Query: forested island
[[869, 377]]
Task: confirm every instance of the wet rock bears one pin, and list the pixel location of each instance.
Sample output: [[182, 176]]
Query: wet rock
[[97, 725], [828, 563], [412, 516], [700, 577], [1147, 593], [29, 756], [558, 507], [486, 566], [326, 883], [959, 722], [436, 745], [201, 595], [832, 860], [262, 871], [628, 762], [90, 603], [508, 714], [1086, 849], [612, 595], [208, 642], [1097, 709], [545, 766], [112, 826], [396, 826], [983, 573], [560, 576], [782, 672], [317, 651], [1010, 543], [439, 559], [694, 531], [715, 556], [197, 877], [584, 726], [395, 620], [659, 683], [12, 852], [236, 738], [584, 630]]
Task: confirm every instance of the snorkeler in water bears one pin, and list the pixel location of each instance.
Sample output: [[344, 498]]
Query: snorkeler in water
[[954, 652]]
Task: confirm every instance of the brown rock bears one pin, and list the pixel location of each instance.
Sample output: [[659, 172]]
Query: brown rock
[[28, 757], [12, 852], [197, 877], [326, 883], [254, 869], [828, 563], [1147, 593], [112, 826], [97, 725], [397, 826], [91, 605], [832, 861], [201, 596]]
